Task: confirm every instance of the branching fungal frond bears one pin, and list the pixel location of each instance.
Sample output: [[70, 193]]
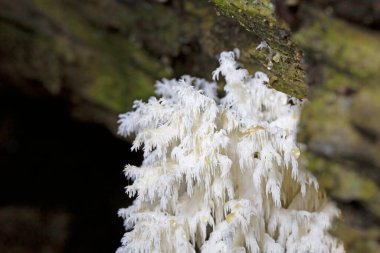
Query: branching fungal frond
[[222, 175]]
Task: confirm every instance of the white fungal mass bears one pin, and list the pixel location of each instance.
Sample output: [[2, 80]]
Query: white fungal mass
[[221, 174]]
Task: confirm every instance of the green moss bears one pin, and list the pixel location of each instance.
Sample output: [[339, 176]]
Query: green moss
[[342, 181], [257, 17], [346, 47], [351, 55], [118, 72], [357, 240], [67, 18], [249, 13], [116, 92], [123, 78], [365, 110], [345, 184]]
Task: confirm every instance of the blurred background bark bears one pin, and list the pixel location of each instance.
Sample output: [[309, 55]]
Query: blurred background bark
[[67, 68]]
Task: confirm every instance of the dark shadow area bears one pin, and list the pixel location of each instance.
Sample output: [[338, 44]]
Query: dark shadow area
[[62, 180]]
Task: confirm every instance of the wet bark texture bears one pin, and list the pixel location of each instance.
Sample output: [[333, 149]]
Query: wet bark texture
[[100, 55]]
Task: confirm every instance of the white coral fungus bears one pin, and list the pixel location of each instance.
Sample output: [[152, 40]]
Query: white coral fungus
[[221, 175]]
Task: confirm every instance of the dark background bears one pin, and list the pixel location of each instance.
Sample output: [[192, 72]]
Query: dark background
[[61, 182]]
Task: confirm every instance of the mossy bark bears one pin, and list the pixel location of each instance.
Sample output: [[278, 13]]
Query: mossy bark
[[283, 63]]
